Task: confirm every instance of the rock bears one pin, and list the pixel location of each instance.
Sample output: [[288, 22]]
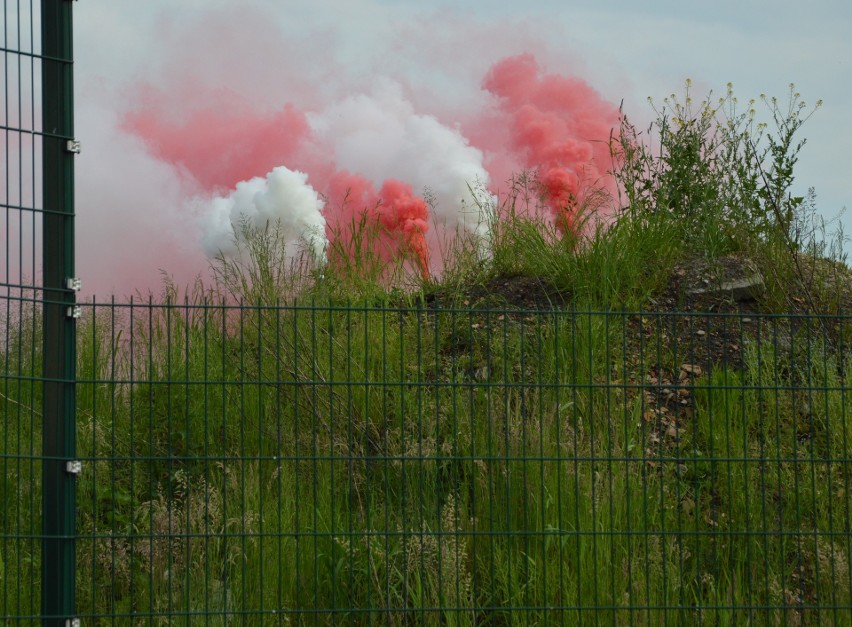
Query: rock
[[746, 288], [691, 369]]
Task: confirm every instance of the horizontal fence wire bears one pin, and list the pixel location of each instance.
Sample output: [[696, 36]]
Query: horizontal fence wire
[[352, 465]]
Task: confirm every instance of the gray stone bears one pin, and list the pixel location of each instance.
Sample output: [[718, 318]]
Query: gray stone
[[746, 288]]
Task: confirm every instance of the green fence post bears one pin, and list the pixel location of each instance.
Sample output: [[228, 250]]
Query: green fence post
[[60, 312]]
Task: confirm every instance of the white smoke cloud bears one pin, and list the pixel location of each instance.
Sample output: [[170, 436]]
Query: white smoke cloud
[[380, 136], [282, 199]]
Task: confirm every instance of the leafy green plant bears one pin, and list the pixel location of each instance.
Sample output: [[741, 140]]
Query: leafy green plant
[[722, 176]]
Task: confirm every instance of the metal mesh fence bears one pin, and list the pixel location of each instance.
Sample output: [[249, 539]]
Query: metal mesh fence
[[37, 324], [354, 465], [20, 273], [415, 466]]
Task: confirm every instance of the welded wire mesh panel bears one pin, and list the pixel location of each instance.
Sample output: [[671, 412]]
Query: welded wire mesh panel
[[416, 466], [20, 313], [20, 122]]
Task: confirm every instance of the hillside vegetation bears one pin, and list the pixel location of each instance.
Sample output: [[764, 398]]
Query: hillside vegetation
[[555, 429]]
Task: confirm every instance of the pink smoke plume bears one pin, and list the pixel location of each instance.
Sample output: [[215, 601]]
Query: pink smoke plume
[[375, 156], [402, 216], [560, 126], [401, 211], [223, 145]]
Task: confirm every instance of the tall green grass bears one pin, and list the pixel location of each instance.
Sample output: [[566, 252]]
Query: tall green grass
[[295, 444], [361, 464]]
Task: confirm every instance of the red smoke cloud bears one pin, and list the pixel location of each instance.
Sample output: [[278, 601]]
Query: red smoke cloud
[[560, 127], [224, 145], [402, 216], [401, 211], [554, 124]]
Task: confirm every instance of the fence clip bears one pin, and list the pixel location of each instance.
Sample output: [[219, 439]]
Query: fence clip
[[74, 311], [74, 467], [72, 622], [73, 145], [74, 284]]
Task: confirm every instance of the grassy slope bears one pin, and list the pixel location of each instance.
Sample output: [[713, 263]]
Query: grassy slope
[[405, 454]]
